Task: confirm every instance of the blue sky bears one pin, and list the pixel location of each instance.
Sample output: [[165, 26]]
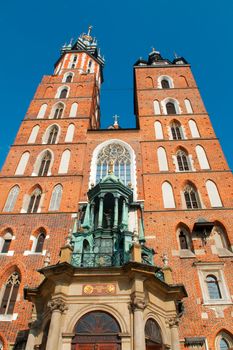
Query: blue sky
[[32, 33]]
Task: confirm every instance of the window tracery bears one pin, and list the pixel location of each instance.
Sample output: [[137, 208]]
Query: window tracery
[[10, 294], [121, 159]]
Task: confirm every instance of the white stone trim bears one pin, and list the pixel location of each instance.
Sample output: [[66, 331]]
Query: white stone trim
[[47, 131], [133, 163], [215, 269], [166, 77], [65, 76], [173, 100], [60, 89], [38, 162]]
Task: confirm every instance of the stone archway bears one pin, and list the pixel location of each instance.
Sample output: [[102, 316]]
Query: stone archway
[[153, 335], [96, 330]]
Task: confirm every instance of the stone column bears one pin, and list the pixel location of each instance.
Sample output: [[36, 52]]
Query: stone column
[[116, 213], [138, 306], [173, 323], [34, 327], [101, 211], [58, 307], [125, 213], [92, 215]]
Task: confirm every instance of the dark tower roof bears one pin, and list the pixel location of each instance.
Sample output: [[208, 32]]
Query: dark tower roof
[[156, 59]]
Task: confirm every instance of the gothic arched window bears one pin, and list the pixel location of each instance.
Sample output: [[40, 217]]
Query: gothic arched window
[[165, 84], [191, 198], [58, 111], [120, 158], [170, 107], [69, 78], [224, 344], [45, 164], [6, 241], [11, 199], [63, 93], [182, 161], [183, 240], [34, 201], [40, 242], [53, 135], [10, 294], [213, 287], [176, 131], [56, 198]]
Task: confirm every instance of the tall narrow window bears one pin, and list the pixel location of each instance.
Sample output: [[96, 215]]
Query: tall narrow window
[[183, 241], [188, 106], [213, 287], [70, 133], [176, 131], [11, 199], [58, 111], [69, 78], [56, 198], [183, 161], [193, 129], [45, 164], [158, 130], [40, 242], [170, 108], [52, 138], [168, 197], [6, 241], [73, 110], [213, 194], [157, 110], [33, 135], [162, 159], [202, 158], [191, 198], [64, 164], [63, 93], [22, 163], [34, 201], [165, 84], [42, 111], [10, 294]]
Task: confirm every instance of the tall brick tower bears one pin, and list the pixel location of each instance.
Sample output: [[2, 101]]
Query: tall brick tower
[[42, 178], [89, 208]]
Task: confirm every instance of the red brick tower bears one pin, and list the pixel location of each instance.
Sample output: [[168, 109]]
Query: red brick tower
[[188, 197], [173, 161], [41, 179]]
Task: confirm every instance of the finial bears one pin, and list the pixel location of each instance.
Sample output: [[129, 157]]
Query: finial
[[110, 169], [153, 48], [71, 41], [165, 259], [47, 260], [175, 54], [116, 117], [89, 30], [69, 237]]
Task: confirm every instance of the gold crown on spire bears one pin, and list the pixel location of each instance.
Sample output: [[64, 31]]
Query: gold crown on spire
[[88, 36]]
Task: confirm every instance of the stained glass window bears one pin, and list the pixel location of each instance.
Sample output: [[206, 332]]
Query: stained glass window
[[120, 157], [191, 198]]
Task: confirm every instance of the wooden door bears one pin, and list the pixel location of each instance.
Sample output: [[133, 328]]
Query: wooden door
[[85, 347], [106, 347]]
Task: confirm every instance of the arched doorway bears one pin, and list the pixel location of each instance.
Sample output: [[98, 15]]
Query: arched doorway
[[153, 335], [96, 330]]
